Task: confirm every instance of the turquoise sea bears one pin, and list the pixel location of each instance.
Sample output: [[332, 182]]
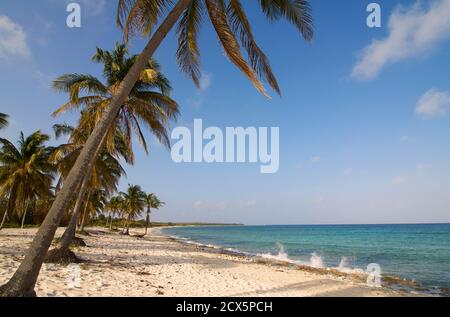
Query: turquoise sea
[[416, 253]]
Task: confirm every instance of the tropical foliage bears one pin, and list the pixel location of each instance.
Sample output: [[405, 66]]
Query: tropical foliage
[[26, 173], [133, 94], [3, 120], [133, 205], [148, 104], [152, 201]]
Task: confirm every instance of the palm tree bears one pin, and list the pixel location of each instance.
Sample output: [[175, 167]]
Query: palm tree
[[25, 172], [3, 120], [114, 206], [148, 103], [152, 201], [95, 205], [104, 176], [231, 25], [133, 205]]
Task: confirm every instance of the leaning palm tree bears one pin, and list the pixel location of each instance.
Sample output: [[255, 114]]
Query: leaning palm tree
[[104, 175], [148, 104], [133, 204], [234, 31], [152, 202], [25, 172], [3, 120]]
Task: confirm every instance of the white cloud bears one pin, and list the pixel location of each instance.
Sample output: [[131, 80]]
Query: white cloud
[[251, 203], [433, 103], [404, 138], [44, 80], [13, 39], [399, 180], [348, 172], [423, 167], [315, 159], [201, 205], [412, 31], [199, 98], [205, 81]]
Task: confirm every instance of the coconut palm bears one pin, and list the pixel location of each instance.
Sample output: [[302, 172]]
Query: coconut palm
[[25, 172], [133, 205], [3, 120], [148, 103], [141, 16], [95, 205], [152, 202], [104, 176], [114, 206]]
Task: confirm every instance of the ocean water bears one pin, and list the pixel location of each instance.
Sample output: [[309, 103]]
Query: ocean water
[[416, 253]]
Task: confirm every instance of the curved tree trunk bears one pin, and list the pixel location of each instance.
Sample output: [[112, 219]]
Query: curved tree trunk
[[83, 219], [61, 251], [24, 216], [24, 279], [23, 219], [5, 217], [71, 229]]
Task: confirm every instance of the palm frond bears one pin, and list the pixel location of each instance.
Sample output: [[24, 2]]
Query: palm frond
[[188, 53], [297, 12], [3, 120], [140, 16], [229, 42], [258, 60]]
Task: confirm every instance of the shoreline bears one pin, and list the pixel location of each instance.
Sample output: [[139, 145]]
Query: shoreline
[[160, 265], [389, 282]]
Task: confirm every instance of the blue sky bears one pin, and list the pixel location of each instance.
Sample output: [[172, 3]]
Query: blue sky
[[364, 128]]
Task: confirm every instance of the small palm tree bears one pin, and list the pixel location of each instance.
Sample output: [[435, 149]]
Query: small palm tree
[[3, 120], [26, 173], [114, 206], [152, 201], [95, 205], [133, 205]]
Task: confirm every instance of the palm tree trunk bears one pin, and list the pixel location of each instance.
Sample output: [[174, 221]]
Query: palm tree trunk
[[5, 215], [124, 225], [69, 233], [127, 226], [111, 223], [71, 229], [11, 204], [147, 221], [127, 231], [83, 220], [24, 279], [24, 215]]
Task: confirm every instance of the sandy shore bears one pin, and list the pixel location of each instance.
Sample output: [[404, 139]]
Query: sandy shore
[[157, 265]]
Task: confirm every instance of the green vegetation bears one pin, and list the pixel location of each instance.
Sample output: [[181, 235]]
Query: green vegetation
[[134, 94]]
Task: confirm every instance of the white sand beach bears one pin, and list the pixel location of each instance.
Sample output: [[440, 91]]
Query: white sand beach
[[157, 265]]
